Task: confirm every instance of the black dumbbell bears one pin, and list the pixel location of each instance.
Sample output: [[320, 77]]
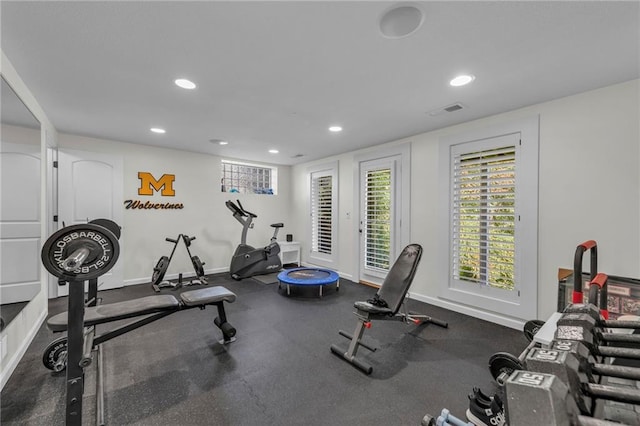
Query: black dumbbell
[[582, 328], [533, 399], [578, 375], [594, 312]]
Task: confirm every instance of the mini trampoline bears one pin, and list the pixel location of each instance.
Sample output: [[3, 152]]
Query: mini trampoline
[[308, 276]]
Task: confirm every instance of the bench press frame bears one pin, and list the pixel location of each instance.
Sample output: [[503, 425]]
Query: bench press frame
[[82, 341]]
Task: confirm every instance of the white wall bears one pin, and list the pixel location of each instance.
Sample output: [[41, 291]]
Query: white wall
[[589, 188], [205, 216], [17, 336]]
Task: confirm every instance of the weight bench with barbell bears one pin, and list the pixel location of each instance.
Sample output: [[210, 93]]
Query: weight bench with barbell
[[81, 253]]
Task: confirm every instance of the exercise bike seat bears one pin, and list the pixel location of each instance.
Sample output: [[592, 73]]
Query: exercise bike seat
[[116, 311], [277, 225]]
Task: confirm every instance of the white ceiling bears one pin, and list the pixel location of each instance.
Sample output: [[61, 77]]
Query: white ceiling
[[278, 74]]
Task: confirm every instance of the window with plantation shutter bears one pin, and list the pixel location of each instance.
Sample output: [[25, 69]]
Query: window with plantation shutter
[[489, 203], [377, 226], [484, 216], [323, 213]]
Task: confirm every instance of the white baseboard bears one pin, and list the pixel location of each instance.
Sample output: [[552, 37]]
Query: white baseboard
[[341, 274], [136, 281], [17, 356], [514, 323], [345, 276]]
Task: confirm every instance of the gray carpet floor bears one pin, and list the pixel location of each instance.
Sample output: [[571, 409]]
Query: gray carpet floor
[[279, 371]]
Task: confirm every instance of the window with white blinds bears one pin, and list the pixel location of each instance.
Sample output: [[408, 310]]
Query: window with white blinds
[[322, 214], [484, 217], [377, 226], [489, 213]]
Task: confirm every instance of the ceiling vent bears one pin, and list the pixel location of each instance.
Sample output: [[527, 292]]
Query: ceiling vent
[[298, 156], [447, 109]]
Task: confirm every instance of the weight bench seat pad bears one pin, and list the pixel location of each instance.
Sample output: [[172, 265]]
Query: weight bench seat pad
[[117, 311], [372, 309], [206, 296], [396, 284]]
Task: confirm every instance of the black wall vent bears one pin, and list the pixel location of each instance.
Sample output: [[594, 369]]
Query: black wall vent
[[449, 108], [454, 107]]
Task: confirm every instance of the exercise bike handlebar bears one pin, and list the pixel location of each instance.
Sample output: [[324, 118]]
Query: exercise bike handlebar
[[172, 240], [235, 209], [246, 212]]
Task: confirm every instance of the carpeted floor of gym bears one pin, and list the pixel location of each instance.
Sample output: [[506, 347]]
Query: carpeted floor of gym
[[279, 371]]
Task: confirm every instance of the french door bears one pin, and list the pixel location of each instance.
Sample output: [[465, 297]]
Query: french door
[[380, 216]]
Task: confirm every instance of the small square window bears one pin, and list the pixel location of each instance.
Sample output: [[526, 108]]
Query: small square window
[[248, 178]]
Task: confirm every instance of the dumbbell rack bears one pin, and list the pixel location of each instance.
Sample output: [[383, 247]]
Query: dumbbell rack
[[566, 375]]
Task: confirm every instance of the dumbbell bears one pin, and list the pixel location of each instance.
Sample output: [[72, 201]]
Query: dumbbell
[[446, 418], [594, 312], [534, 399], [590, 363], [582, 327], [577, 374]]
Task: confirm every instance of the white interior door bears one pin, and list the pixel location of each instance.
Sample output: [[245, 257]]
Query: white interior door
[[19, 222], [379, 220], [90, 187]]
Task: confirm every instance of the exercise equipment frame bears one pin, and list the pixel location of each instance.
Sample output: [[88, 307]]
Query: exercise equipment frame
[[386, 305]]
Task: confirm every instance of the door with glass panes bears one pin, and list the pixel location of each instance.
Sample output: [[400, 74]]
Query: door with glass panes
[[379, 218]]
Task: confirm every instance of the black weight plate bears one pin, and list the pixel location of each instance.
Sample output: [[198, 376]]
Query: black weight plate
[[103, 251], [531, 328], [159, 270], [53, 352], [504, 362], [197, 266], [109, 224]]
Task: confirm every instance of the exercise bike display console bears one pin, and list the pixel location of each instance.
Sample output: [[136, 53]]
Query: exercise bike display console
[[248, 261]]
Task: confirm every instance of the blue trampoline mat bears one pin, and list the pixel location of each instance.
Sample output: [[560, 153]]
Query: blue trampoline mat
[[308, 276]]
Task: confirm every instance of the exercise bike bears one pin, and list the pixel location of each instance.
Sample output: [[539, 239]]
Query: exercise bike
[[248, 261]]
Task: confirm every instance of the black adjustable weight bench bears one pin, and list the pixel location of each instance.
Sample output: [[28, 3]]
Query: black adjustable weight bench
[[385, 305]]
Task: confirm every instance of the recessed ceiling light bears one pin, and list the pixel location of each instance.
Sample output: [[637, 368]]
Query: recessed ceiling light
[[335, 129], [223, 143], [158, 130], [273, 151], [185, 84], [461, 80]]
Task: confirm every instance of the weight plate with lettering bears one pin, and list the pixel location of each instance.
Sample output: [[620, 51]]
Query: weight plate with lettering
[[99, 243]]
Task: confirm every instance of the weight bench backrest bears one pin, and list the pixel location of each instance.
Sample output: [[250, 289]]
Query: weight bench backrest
[[399, 279]]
